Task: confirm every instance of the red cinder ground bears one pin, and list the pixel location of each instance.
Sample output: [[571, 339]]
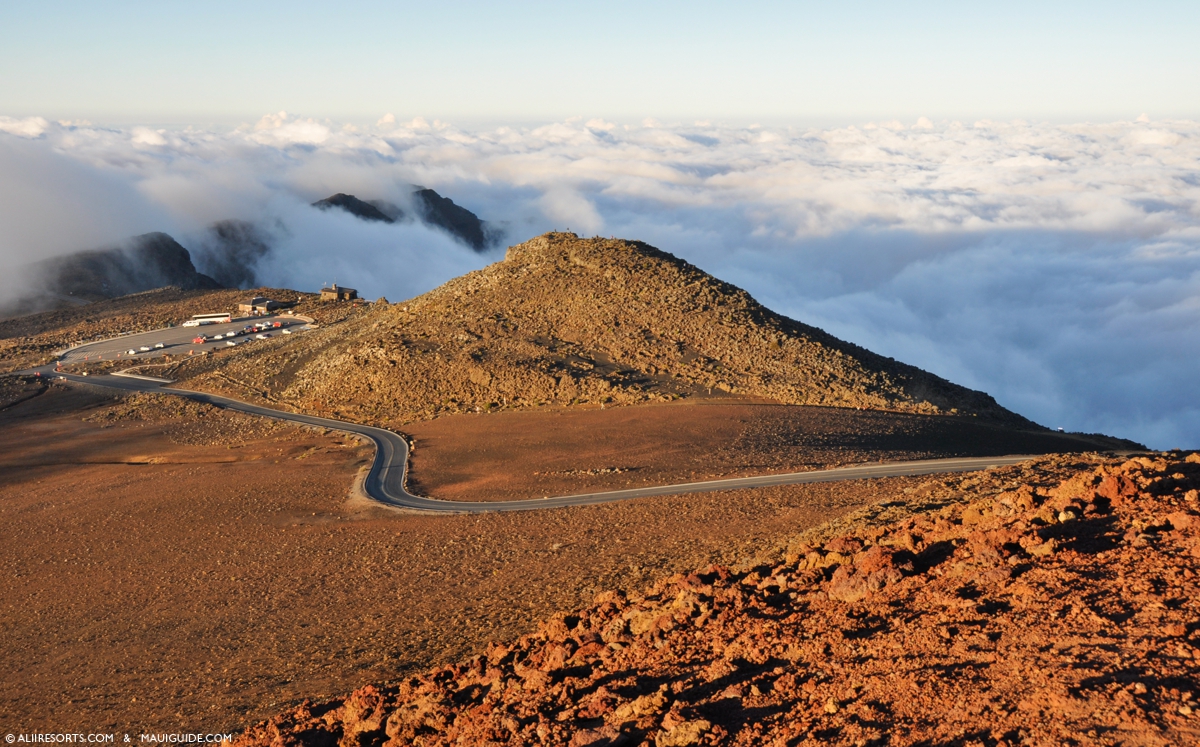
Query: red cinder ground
[[168, 567], [1031, 614], [516, 455]]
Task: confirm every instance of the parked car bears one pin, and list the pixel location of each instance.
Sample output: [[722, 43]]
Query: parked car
[[287, 331], [230, 343], [263, 335], [199, 340], [158, 345], [131, 351], [145, 348]]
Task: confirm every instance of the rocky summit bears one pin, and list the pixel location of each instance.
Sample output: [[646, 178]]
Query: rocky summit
[[565, 320]]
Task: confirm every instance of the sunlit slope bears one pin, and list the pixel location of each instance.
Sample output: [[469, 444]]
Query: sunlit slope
[[568, 320]]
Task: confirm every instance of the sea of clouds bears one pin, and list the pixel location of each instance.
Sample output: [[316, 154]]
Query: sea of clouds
[[1054, 266]]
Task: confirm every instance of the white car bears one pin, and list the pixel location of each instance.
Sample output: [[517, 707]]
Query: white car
[[158, 346], [287, 331], [230, 343], [145, 348], [218, 337], [131, 351], [262, 336]]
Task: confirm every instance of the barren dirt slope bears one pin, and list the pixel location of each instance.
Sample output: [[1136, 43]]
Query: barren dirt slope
[[564, 320], [1040, 614]]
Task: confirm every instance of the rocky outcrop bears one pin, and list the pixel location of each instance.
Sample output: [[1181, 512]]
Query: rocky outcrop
[[152, 260], [230, 251], [1060, 614], [455, 220], [356, 207], [428, 206]]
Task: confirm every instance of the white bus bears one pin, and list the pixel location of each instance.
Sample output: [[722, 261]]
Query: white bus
[[201, 319]]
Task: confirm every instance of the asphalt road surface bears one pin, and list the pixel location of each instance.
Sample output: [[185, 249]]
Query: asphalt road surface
[[385, 482], [175, 340]]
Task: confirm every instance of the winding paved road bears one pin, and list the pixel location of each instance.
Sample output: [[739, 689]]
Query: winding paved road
[[385, 482]]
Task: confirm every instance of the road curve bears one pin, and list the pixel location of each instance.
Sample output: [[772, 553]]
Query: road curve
[[385, 482]]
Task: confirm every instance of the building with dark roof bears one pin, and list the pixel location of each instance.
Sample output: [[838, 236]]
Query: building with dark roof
[[258, 305], [338, 293]]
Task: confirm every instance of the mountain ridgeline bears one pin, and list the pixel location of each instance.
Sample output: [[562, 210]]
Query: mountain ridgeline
[[228, 254], [565, 320], [152, 260], [428, 207]]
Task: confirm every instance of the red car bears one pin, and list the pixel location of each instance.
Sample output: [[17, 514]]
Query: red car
[[200, 340]]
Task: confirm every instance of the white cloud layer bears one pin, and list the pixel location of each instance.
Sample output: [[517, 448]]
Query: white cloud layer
[[1056, 267]]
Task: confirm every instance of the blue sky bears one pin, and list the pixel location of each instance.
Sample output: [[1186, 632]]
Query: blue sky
[[474, 62]]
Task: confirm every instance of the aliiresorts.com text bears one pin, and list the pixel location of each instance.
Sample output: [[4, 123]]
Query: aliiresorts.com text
[[48, 738]]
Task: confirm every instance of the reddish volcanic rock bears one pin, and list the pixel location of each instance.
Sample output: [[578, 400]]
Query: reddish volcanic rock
[[1029, 616]]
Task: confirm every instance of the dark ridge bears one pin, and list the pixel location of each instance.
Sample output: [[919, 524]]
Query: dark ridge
[[354, 206], [431, 209], [230, 251], [394, 212], [152, 260], [459, 222]]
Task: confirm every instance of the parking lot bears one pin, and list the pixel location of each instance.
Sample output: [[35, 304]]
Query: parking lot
[[180, 340]]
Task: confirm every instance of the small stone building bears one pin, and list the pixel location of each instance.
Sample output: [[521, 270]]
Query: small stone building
[[258, 305], [337, 293]]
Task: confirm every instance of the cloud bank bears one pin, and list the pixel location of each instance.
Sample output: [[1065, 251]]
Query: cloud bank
[[1055, 266]]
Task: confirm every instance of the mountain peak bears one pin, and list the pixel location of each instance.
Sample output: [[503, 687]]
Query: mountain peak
[[140, 263], [431, 208], [567, 320], [654, 312], [354, 206]]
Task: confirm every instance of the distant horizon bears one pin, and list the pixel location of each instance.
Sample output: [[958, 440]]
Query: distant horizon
[[492, 123]]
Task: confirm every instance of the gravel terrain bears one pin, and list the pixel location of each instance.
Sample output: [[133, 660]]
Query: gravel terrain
[[563, 451], [175, 567], [1060, 613]]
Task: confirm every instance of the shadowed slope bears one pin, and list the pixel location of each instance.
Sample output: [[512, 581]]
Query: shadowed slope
[[431, 208], [354, 206], [140, 263]]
